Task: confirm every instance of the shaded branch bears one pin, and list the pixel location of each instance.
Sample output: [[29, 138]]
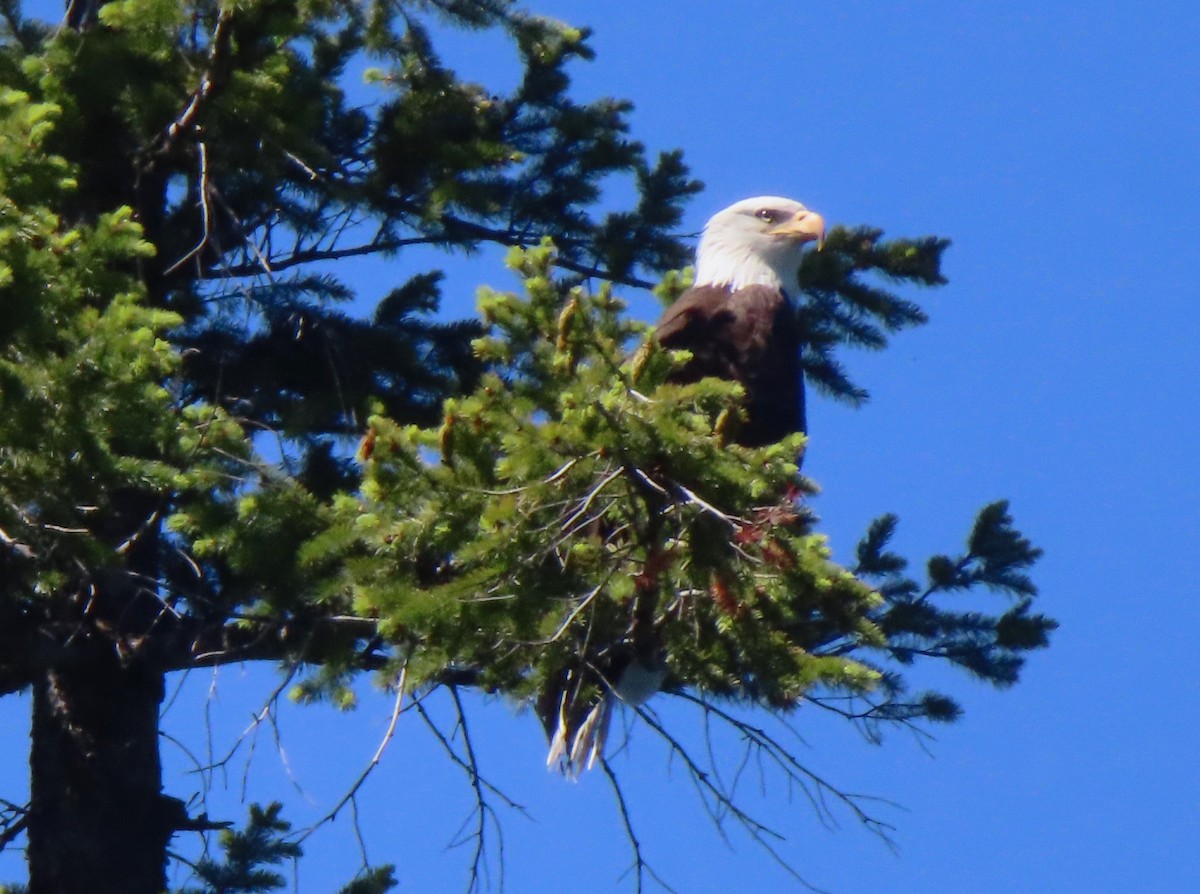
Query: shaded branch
[[14, 818], [313, 255], [455, 230], [213, 80]]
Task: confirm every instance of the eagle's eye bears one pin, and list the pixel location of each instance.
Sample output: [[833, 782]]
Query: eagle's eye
[[767, 215]]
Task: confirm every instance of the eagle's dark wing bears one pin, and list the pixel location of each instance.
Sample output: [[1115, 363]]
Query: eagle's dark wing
[[749, 336]]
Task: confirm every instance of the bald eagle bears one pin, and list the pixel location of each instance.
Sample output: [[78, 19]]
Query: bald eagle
[[738, 320], [738, 323]]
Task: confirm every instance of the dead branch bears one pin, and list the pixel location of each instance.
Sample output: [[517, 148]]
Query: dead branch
[[308, 256], [453, 230], [815, 787], [869, 721], [397, 710], [719, 803], [13, 820], [213, 79], [483, 810], [205, 212], [444, 741], [640, 868]]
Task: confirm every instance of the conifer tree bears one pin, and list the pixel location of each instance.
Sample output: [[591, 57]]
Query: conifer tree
[[184, 381]]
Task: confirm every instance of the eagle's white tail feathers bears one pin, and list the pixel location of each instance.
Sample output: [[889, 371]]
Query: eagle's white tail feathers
[[593, 733], [558, 744], [575, 753]]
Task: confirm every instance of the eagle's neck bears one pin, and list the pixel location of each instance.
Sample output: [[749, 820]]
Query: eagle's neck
[[736, 265]]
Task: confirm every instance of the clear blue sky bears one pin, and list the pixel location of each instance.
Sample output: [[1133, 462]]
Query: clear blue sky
[[1058, 145]]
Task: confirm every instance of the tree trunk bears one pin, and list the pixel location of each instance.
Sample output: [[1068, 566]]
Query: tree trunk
[[98, 821]]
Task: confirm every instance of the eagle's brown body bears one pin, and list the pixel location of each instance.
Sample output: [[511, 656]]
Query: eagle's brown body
[[748, 335]]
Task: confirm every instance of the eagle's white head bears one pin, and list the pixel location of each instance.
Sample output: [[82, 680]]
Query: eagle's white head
[[757, 242]]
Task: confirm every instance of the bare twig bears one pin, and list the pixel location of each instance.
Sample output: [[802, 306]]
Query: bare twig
[[61, 529], [273, 720], [797, 772], [13, 820], [718, 802], [257, 719], [712, 510], [197, 766], [205, 212], [358, 834], [640, 868], [575, 612], [448, 747], [397, 710], [650, 482], [483, 808], [263, 263], [308, 256], [454, 230], [562, 470], [298, 162], [587, 502], [870, 720]]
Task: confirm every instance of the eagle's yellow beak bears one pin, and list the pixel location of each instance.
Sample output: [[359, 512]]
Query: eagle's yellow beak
[[804, 226]]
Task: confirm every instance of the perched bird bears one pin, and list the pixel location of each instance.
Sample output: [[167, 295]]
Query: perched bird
[[739, 324], [738, 320]]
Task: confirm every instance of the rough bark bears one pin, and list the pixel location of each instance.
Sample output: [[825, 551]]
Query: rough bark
[[98, 820]]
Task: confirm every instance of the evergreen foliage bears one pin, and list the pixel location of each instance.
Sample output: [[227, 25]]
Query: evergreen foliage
[[990, 647], [263, 843], [185, 371], [841, 308], [581, 505], [577, 505], [259, 845]]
